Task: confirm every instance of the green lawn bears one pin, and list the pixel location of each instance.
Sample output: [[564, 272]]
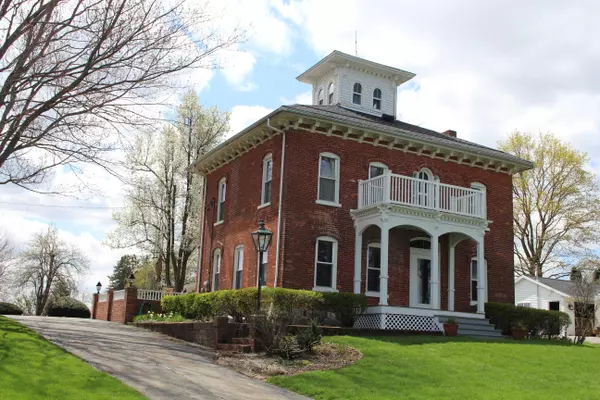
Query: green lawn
[[33, 368], [430, 368]]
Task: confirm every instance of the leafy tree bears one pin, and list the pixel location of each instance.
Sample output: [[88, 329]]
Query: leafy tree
[[556, 205], [146, 277], [76, 73], [575, 274], [126, 265], [7, 258], [162, 206]]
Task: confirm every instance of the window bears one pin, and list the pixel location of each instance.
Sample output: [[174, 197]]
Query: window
[[475, 207], [424, 190], [216, 269], [238, 267], [376, 169], [420, 243], [373, 267], [524, 304], [554, 305], [262, 268], [474, 279], [330, 91], [221, 200], [325, 263], [377, 99], [320, 97], [357, 93], [267, 178], [329, 171]]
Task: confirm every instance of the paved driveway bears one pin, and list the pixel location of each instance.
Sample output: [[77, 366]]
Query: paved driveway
[[158, 367]]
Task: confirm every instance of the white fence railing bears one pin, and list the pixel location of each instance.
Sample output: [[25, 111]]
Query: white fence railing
[[102, 297], [119, 295], [157, 295], [414, 192]]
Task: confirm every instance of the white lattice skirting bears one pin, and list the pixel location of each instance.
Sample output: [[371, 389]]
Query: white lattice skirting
[[399, 322]]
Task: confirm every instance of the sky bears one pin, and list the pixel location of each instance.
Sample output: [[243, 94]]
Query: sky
[[483, 69]]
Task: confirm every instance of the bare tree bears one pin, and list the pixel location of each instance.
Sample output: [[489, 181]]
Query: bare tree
[[48, 261], [556, 205], [163, 197], [7, 256], [76, 71], [585, 297]]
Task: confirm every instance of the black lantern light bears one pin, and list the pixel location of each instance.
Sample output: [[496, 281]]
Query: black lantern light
[[131, 279], [98, 287], [262, 240]]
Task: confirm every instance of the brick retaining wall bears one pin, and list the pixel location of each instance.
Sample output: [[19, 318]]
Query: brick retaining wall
[[122, 310]]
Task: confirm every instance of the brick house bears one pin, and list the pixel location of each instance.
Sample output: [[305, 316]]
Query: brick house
[[419, 221]]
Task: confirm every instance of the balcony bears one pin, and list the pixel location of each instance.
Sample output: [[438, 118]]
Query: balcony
[[392, 189]]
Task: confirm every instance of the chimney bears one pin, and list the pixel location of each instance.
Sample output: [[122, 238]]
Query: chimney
[[450, 133]]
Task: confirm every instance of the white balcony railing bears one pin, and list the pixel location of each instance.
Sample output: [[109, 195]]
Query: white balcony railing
[[413, 192], [145, 294]]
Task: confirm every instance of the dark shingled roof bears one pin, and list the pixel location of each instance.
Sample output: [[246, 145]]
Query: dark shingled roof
[[561, 285], [366, 121]]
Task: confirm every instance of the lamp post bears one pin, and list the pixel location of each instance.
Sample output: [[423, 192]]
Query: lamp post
[[131, 279], [262, 240], [98, 287]]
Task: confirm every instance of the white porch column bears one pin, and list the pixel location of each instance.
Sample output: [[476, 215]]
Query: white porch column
[[451, 260], [383, 277], [435, 273], [481, 277], [357, 259]]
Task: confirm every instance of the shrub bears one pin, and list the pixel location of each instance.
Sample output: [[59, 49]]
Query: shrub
[[309, 337], [157, 317], [10, 309], [346, 306], [68, 307], [538, 323]]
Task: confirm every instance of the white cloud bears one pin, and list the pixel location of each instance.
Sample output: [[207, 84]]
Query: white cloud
[[238, 67], [302, 98], [243, 116]]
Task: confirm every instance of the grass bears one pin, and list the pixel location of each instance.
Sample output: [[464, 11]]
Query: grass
[[33, 368], [415, 368]]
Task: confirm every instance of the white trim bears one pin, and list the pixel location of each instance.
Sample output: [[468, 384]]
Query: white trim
[[380, 98], [279, 203], [238, 261], [201, 240], [320, 96], [377, 164], [263, 205], [268, 158], [481, 187], [216, 252], [359, 93], [221, 198], [336, 201], [419, 311], [542, 285], [331, 93], [373, 294], [218, 223], [377, 246], [334, 248]]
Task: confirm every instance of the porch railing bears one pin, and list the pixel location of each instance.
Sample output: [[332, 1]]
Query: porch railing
[[414, 192], [157, 295]]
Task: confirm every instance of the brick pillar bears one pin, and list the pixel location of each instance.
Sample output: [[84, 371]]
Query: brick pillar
[[94, 305], [109, 304], [131, 304]]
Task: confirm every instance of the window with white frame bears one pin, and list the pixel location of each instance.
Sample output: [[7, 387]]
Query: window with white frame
[[357, 93], [267, 178], [320, 97], [325, 263], [377, 99], [475, 279], [524, 304], [238, 267], [221, 200], [373, 267], [329, 178], [262, 268], [216, 269], [473, 205], [423, 189], [330, 92], [376, 169]]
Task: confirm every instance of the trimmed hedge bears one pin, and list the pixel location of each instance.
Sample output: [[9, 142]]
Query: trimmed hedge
[[241, 303], [10, 309], [538, 323], [68, 307]]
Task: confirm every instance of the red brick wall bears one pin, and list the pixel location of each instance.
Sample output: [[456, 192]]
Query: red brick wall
[[243, 197], [304, 220]]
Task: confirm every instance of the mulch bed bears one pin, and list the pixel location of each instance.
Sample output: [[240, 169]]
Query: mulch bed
[[261, 366]]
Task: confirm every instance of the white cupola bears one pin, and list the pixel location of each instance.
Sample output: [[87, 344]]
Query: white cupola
[[355, 83]]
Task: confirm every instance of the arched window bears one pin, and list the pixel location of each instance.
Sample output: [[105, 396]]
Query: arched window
[[478, 207], [221, 200], [377, 99], [216, 269], [421, 243], [320, 98], [326, 264], [357, 93], [425, 174], [377, 169], [424, 188], [330, 92], [267, 178]]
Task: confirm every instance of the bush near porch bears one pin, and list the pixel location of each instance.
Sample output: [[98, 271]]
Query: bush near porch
[[241, 303], [538, 323]]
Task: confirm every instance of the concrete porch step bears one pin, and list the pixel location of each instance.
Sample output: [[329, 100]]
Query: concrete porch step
[[474, 327]]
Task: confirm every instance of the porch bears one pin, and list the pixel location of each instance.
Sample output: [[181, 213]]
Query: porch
[[407, 232]]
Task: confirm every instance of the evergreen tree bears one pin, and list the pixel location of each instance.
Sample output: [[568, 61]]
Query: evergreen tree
[[575, 274], [120, 277]]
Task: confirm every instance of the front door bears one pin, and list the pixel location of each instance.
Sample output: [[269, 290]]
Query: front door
[[420, 278]]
